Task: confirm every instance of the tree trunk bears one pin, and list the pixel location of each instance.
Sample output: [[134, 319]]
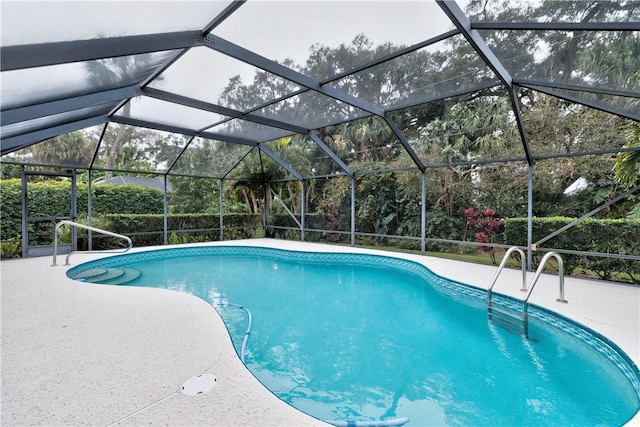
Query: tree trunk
[[118, 141], [246, 199], [266, 196], [295, 201], [254, 202]]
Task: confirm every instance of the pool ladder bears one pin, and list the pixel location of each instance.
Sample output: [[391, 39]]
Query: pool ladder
[[517, 320]]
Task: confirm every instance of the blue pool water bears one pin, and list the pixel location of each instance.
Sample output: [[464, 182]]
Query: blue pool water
[[362, 337]]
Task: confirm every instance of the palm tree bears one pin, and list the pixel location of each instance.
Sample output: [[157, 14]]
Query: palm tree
[[626, 167], [71, 149]]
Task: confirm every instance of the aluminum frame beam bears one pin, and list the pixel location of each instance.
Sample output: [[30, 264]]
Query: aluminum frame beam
[[286, 208], [235, 5], [244, 156], [585, 153], [423, 211], [230, 49], [161, 69], [281, 162], [324, 147], [180, 154], [45, 54], [353, 211], [221, 209], [462, 23], [487, 85], [557, 26], [607, 109], [14, 143], [460, 20], [588, 214], [476, 162], [404, 142], [176, 129], [517, 111], [578, 88], [50, 108], [100, 141]]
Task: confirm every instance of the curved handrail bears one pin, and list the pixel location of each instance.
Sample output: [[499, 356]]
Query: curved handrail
[[539, 272], [501, 267], [86, 227], [525, 303]]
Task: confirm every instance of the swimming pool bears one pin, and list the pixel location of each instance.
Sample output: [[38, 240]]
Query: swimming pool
[[354, 337]]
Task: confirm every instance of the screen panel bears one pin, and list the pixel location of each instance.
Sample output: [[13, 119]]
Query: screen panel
[[473, 127], [213, 77], [297, 30], [311, 110], [83, 20], [75, 149], [206, 157], [42, 84], [559, 127], [131, 148], [40, 123], [436, 71], [154, 110], [599, 59], [248, 130]]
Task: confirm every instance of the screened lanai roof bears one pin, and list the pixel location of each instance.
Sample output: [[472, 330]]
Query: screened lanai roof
[[244, 75]]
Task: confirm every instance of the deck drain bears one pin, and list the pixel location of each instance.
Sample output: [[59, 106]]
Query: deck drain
[[199, 384]]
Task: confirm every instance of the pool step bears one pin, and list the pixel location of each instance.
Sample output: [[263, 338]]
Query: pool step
[[515, 321], [108, 276], [88, 274], [125, 275]]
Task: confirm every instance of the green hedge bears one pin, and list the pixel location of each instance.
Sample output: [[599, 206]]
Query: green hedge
[[11, 202], [285, 220], [314, 221], [53, 198], [124, 199], [617, 236], [147, 230]]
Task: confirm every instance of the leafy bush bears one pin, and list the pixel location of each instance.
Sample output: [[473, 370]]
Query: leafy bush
[[11, 200], [10, 250], [485, 226], [147, 230], [107, 198], [285, 220]]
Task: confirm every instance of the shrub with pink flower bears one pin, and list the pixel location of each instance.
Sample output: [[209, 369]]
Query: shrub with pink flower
[[485, 225]]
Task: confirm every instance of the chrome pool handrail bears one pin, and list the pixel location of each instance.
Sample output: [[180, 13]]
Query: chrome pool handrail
[[561, 298], [502, 265], [560, 276], [86, 227], [517, 319]]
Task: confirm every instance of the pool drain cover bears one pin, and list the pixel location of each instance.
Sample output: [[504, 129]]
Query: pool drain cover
[[199, 384]]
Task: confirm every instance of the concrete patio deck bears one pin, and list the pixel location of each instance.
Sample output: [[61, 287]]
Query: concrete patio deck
[[81, 354]]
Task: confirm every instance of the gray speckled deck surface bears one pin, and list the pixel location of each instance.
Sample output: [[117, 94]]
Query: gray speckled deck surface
[[80, 354]]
